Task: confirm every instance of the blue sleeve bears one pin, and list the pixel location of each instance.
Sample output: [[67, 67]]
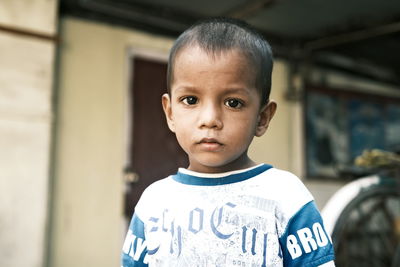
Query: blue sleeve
[[305, 241], [134, 250]]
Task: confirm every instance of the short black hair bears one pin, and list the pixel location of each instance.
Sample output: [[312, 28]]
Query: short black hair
[[215, 35]]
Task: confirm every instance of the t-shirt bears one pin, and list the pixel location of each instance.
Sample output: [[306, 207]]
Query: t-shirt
[[261, 216]]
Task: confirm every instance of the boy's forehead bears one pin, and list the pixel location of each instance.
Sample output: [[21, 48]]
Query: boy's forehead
[[209, 53], [197, 59], [195, 56]]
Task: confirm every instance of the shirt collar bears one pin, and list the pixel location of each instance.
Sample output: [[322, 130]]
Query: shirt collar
[[188, 177]]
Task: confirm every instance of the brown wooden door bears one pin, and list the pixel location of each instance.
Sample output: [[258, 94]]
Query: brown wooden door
[[154, 152]]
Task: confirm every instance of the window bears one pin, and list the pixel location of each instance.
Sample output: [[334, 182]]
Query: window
[[341, 124]]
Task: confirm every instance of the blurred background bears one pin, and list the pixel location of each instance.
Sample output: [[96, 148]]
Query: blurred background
[[81, 126]]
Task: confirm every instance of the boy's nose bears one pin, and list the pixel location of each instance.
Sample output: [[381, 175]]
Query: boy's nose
[[210, 117]]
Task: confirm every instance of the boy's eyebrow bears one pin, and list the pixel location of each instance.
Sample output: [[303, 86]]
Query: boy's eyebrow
[[186, 89], [238, 90]]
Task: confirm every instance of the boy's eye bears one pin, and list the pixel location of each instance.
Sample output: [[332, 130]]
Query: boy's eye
[[190, 100], [233, 103]]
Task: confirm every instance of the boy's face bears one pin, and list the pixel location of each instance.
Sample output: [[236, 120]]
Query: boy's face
[[214, 109]]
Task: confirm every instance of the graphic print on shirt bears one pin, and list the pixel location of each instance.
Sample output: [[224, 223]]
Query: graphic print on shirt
[[239, 239], [305, 241]]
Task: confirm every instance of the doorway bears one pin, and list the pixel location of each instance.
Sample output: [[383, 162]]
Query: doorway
[[154, 152]]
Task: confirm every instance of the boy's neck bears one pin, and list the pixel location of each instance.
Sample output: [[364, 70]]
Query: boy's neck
[[243, 162]]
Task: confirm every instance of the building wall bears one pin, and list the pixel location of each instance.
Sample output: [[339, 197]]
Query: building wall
[[26, 80]]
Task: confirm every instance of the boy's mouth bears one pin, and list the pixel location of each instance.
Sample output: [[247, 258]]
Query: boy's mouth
[[210, 144], [209, 140]]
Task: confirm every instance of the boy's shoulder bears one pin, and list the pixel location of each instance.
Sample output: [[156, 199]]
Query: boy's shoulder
[[159, 185], [284, 181], [285, 188], [155, 192]]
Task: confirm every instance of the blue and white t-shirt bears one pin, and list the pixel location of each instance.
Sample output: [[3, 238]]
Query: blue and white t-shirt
[[260, 216]]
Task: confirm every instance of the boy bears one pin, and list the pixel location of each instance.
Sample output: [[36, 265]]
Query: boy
[[224, 209]]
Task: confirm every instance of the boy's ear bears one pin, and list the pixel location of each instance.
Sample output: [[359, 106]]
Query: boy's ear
[[267, 112], [166, 103]]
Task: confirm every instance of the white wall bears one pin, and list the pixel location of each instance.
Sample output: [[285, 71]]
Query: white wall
[[37, 15], [26, 80]]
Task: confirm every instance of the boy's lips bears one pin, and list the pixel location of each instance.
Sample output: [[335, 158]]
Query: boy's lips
[[210, 144]]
